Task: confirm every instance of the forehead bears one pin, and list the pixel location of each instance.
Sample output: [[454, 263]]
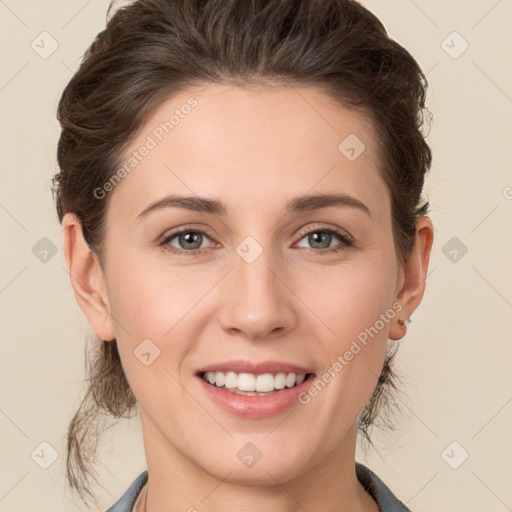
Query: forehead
[[251, 146]]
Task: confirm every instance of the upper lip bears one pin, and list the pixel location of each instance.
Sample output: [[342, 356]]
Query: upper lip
[[256, 368]]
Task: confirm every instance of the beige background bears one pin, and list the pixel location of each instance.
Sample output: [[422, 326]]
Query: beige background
[[456, 359]]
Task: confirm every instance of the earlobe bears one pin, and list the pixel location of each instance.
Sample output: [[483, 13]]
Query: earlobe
[[87, 278], [415, 274]]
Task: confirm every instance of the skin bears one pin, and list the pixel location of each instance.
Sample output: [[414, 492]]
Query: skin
[[254, 149]]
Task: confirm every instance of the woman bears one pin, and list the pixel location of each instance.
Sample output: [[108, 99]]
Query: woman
[[240, 194]]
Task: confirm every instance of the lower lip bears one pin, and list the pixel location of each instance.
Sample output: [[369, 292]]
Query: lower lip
[[255, 406]]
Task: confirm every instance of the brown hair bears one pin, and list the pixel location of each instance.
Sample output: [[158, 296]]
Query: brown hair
[[151, 49]]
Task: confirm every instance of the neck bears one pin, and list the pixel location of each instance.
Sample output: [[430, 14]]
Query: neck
[[176, 483]]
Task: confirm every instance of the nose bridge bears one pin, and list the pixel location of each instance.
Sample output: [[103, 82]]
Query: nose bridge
[[258, 301]]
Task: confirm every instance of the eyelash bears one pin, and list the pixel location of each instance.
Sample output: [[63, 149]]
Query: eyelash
[[345, 240]]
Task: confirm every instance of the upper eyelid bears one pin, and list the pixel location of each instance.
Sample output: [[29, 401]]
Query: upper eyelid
[[337, 231]]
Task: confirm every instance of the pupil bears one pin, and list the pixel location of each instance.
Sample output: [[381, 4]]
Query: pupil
[[319, 235], [190, 238]]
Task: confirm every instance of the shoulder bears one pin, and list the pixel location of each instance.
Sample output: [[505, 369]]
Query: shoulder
[[127, 500], [380, 492]]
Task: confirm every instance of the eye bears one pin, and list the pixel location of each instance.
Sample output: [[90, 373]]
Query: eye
[[189, 241], [321, 239]]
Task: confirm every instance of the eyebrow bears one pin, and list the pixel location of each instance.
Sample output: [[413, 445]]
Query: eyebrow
[[213, 206]]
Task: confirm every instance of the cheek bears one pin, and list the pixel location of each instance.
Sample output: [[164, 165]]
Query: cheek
[[352, 358], [156, 303], [351, 297], [150, 299], [354, 304]]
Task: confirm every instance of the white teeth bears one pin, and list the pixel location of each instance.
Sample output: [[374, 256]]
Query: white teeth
[[249, 382], [280, 381], [230, 379], [219, 379], [264, 383]]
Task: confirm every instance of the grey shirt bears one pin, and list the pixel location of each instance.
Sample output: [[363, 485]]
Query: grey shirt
[[386, 500]]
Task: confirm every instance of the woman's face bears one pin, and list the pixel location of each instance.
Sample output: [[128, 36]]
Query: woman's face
[[267, 279]]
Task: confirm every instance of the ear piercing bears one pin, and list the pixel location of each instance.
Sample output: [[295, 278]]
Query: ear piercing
[[402, 323]]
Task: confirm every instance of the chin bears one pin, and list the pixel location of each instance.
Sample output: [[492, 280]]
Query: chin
[[264, 472]]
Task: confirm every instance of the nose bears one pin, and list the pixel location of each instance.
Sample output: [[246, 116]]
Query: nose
[[257, 300]]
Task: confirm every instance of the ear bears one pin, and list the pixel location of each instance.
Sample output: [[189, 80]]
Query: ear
[[87, 278], [414, 275]]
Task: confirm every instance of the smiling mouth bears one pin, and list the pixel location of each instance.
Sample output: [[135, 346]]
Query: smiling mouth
[[254, 385]]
